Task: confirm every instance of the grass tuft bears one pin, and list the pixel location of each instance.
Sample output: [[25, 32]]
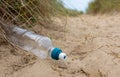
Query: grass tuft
[[104, 6]]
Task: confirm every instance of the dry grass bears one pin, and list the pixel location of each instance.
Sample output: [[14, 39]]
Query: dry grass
[[22, 12], [104, 6], [30, 12]]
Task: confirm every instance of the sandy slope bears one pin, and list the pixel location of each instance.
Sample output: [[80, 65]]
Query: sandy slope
[[92, 44]]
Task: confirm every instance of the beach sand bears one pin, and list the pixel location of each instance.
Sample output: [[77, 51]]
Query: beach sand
[[92, 44]]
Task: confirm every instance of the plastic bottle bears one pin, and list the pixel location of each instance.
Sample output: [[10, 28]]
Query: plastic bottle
[[39, 45]]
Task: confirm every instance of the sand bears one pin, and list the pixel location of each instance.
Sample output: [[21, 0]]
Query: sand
[[92, 44]]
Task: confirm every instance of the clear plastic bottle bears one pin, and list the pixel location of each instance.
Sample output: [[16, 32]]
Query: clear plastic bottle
[[39, 45]]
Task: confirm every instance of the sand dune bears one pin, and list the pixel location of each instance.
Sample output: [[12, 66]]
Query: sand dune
[[92, 44]]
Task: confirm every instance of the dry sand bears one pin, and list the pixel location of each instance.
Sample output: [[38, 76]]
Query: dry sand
[[92, 44]]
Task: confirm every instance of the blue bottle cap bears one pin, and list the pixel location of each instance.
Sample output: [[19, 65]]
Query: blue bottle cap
[[55, 53]]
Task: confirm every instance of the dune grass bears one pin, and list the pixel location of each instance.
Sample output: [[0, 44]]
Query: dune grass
[[30, 12], [61, 10], [25, 11], [104, 6]]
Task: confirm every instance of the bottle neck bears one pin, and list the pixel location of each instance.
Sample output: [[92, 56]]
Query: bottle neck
[[50, 50]]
